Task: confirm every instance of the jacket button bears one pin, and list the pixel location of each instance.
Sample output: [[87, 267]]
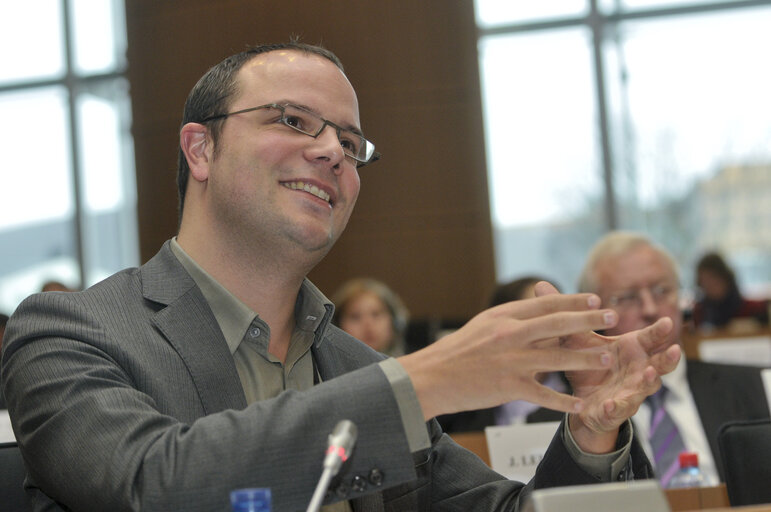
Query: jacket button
[[342, 490], [359, 483], [376, 477]]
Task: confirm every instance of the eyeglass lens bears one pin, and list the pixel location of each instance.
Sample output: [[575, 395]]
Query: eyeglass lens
[[353, 145], [633, 298]]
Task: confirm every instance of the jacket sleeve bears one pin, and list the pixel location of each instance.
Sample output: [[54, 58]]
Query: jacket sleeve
[[108, 418]]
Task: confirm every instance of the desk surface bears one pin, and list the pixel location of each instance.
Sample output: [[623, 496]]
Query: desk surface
[[748, 508], [698, 498], [714, 499]]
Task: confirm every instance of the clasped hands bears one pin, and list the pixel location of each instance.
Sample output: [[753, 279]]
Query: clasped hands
[[495, 357]]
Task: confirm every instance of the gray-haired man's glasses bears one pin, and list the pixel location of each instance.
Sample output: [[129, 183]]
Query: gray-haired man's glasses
[[661, 293], [304, 121]]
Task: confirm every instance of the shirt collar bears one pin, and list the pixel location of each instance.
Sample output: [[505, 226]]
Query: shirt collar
[[313, 311], [676, 381]]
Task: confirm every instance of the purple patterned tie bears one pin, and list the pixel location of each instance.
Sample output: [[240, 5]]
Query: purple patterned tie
[[664, 437]]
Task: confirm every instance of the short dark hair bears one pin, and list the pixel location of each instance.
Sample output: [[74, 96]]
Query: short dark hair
[[213, 93]]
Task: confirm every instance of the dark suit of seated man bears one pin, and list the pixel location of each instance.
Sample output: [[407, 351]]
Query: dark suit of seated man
[[214, 366], [3, 321], [639, 280]]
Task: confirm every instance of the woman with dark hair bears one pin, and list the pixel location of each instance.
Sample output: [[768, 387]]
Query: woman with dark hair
[[720, 300]]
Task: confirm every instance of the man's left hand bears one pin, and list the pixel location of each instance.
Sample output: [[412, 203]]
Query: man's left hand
[[613, 395]]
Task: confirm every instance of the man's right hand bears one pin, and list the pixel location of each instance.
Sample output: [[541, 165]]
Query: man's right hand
[[495, 357]]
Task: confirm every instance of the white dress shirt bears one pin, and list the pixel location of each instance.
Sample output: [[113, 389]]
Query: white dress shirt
[[681, 407]]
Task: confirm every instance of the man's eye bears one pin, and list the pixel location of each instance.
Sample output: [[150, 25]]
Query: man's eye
[[293, 121], [349, 144]]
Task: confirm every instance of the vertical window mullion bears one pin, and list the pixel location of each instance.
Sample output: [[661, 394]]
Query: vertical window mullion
[[72, 91]]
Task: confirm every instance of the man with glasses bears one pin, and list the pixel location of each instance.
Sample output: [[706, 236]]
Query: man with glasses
[[214, 366], [639, 280]]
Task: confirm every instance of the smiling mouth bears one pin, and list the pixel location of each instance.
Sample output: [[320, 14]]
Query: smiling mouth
[[307, 187]]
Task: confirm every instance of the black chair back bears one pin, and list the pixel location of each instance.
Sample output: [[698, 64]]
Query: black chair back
[[745, 448], [12, 473]]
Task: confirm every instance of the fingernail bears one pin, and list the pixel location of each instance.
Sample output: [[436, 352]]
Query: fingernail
[[605, 359], [593, 301], [608, 318]]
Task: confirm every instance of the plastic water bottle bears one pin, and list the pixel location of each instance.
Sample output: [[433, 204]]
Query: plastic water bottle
[[250, 500], [689, 474]]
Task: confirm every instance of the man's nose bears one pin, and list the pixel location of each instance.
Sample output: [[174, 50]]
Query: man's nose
[[648, 304], [327, 145]]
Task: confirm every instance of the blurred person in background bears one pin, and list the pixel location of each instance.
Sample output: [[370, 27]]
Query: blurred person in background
[[3, 321], [720, 303], [516, 411], [370, 311], [639, 280], [522, 411], [55, 286]]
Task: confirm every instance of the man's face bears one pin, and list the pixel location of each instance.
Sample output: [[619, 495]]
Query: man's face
[[271, 184], [641, 287]]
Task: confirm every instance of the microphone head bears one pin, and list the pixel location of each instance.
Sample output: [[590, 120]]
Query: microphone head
[[344, 436], [340, 444]]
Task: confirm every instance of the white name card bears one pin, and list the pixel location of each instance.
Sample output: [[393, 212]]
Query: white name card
[[516, 450], [6, 432], [751, 350], [766, 375]]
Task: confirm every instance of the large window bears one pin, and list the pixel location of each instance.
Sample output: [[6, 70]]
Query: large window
[[649, 115], [68, 206]]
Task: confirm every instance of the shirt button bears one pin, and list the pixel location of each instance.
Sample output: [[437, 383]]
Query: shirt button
[[254, 332]]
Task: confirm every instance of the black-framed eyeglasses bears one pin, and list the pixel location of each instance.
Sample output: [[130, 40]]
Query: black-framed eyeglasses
[[304, 121]]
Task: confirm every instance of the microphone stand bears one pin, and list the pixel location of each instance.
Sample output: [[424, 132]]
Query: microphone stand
[[340, 444]]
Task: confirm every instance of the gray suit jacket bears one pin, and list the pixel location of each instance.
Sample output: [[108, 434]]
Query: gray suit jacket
[[125, 397]]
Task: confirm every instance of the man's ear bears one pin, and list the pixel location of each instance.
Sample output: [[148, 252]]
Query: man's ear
[[196, 144]]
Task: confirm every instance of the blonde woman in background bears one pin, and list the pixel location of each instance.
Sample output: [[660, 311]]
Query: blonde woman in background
[[370, 311]]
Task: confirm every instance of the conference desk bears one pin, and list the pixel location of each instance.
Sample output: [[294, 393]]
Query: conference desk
[[698, 498], [748, 508], [714, 499]]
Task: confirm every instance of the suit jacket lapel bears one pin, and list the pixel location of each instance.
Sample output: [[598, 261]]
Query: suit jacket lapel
[[330, 362], [190, 327]]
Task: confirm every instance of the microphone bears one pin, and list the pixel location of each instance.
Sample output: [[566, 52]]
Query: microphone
[[339, 446]]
